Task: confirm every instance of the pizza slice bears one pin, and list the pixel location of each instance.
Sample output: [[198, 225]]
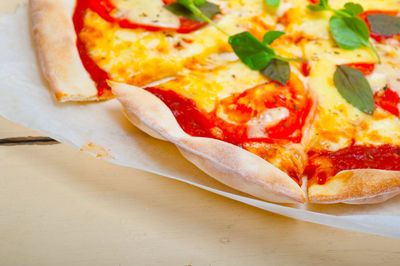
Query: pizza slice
[[354, 157], [246, 136]]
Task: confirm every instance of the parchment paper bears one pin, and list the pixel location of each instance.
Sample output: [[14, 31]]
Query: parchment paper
[[102, 129]]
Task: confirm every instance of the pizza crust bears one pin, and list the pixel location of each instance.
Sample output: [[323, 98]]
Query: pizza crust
[[225, 162], [362, 186], [55, 40]]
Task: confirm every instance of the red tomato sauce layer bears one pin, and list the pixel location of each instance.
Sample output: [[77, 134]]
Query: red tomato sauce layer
[[325, 164], [98, 75]]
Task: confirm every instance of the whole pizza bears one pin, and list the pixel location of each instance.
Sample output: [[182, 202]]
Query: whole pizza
[[286, 100]]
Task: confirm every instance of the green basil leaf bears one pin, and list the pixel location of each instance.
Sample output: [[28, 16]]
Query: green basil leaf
[[181, 8], [324, 3], [385, 25], [354, 87], [349, 32], [209, 9], [316, 8], [255, 54], [277, 70], [273, 3], [271, 36], [199, 2], [353, 8]]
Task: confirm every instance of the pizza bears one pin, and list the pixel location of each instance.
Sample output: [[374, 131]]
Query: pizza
[[289, 101]]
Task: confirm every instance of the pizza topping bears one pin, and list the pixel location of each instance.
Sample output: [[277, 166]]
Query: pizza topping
[[252, 52], [195, 10], [348, 30], [365, 68], [325, 164], [376, 36], [271, 117], [258, 55], [388, 100], [141, 12], [269, 110], [184, 8], [354, 87], [133, 14], [277, 70], [384, 25]]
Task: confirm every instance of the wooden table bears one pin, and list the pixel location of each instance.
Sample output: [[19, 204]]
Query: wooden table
[[59, 206]]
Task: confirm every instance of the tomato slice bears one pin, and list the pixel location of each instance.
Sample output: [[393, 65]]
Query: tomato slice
[[365, 68], [104, 8], [374, 35], [267, 99]]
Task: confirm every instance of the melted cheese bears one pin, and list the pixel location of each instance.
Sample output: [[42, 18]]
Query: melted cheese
[[207, 87], [338, 123], [145, 12], [125, 53], [269, 118], [387, 73]]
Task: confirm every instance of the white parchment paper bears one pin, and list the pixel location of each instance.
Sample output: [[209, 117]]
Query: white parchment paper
[[25, 99]]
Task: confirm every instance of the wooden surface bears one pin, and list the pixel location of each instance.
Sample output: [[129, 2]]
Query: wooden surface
[[59, 206]]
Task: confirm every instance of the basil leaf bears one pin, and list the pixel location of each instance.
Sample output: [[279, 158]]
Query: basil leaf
[[354, 87], [324, 3], [199, 2], [316, 8], [353, 8], [271, 36], [349, 32], [180, 8], [273, 3], [277, 70], [384, 24], [209, 9], [251, 51]]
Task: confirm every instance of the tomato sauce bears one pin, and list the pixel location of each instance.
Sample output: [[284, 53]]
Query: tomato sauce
[[98, 75], [388, 100], [325, 164]]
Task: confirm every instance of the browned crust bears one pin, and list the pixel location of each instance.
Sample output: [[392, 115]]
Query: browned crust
[[55, 39], [227, 163], [364, 186]]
